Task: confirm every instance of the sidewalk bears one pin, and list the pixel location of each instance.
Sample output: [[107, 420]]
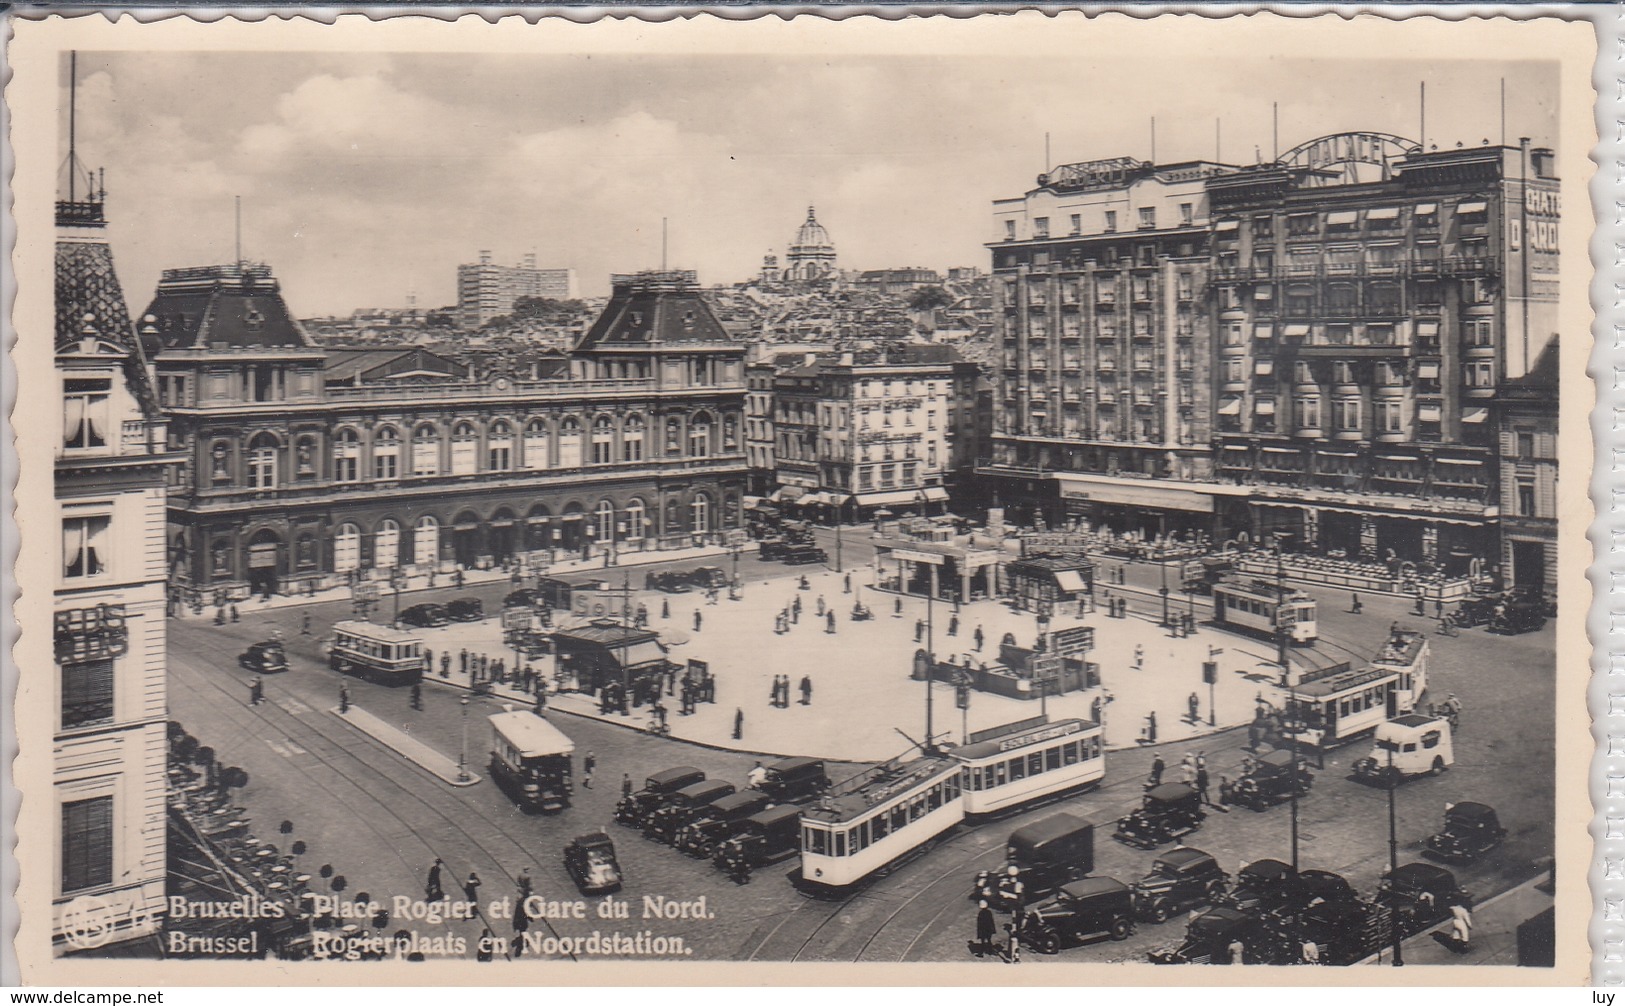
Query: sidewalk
[[1494, 934], [407, 746]]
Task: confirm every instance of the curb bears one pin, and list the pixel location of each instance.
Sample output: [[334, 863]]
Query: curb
[[473, 777]]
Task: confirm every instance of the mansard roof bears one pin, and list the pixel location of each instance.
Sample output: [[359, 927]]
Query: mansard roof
[[655, 310], [236, 306], [90, 301]]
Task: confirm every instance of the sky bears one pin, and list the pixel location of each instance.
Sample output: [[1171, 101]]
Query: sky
[[368, 178]]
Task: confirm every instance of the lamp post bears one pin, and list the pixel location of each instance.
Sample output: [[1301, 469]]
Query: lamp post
[[1163, 564], [396, 580], [838, 508], [462, 752], [1393, 864]]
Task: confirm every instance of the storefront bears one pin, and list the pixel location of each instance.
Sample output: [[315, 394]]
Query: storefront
[[1145, 507], [604, 651], [1043, 581], [1455, 545]]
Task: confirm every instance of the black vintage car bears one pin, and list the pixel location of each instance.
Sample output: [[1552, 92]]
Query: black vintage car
[[718, 822], [590, 862], [426, 616], [1269, 782], [1044, 856], [1476, 610], [803, 555], [1229, 936], [466, 609], [766, 836], [524, 597], [795, 780], [1340, 930], [1165, 813], [1514, 617], [683, 806], [1420, 894], [1083, 911], [707, 577], [1316, 886], [1470, 830], [668, 581], [1178, 879], [268, 657], [634, 809], [1265, 885]]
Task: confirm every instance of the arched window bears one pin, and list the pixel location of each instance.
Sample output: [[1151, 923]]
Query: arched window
[[632, 438], [603, 440], [634, 520], [570, 442], [536, 445], [699, 513], [465, 449], [426, 450], [347, 455], [699, 436], [606, 521], [347, 549], [262, 455], [386, 545], [499, 446], [426, 541], [386, 454]]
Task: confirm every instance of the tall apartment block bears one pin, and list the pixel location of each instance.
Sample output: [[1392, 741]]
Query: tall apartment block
[[486, 291]]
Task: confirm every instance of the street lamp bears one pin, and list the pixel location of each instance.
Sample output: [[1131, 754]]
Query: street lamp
[[1164, 591], [462, 753], [1393, 862]]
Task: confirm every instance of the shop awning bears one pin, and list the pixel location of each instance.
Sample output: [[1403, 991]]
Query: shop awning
[[1151, 495], [1280, 450], [1070, 580], [1430, 517], [502, 522], [1428, 413], [783, 493], [465, 526], [935, 494], [1458, 461], [1383, 213], [1428, 328], [1342, 218], [1297, 330], [1426, 209], [1264, 407], [1230, 407], [1264, 292], [899, 498], [1225, 226], [1427, 369], [1337, 454], [1468, 209], [1475, 416], [1397, 457], [1236, 447], [1264, 367], [536, 520], [638, 654], [1265, 331]]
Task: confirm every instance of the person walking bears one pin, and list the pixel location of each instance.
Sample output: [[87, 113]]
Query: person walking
[[626, 785], [773, 693], [588, 763], [417, 696], [665, 607], [739, 723], [846, 586], [304, 625], [821, 606], [1202, 782], [919, 630], [1438, 607], [986, 929], [1187, 769], [1139, 656], [256, 691], [463, 658], [1194, 704], [432, 891], [829, 621], [697, 619], [953, 625], [524, 882], [1237, 951], [471, 887], [445, 664], [344, 698], [1461, 924], [806, 690], [978, 637], [897, 607], [1311, 952], [1158, 766], [1151, 727], [1354, 603]]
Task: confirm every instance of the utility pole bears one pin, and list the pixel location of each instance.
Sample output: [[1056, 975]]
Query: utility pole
[[1163, 564], [462, 753], [1292, 714], [1393, 864]]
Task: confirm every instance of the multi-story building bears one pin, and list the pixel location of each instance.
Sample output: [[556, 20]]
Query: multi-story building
[[1371, 300], [896, 282], [877, 428], [1528, 459], [811, 257], [303, 470], [486, 290], [109, 721], [1102, 402]]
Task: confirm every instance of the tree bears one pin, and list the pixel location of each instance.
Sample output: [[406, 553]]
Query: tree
[[929, 298]]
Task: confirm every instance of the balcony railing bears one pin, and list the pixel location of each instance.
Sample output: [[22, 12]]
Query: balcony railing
[[561, 389]]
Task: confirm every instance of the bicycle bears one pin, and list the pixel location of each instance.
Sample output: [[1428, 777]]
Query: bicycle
[[1447, 627]]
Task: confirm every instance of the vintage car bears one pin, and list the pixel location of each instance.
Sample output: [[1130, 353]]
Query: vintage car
[[1211, 935], [426, 616], [590, 861], [717, 822], [1420, 894], [1179, 879], [795, 780], [524, 597], [1082, 911], [1269, 782], [1045, 855], [1514, 617], [668, 581], [1406, 747], [683, 806], [1264, 885], [1339, 930], [766, 836], [803, 555], [1166, 812], [707, 577], [1317, 886], [268, 657], [1470, 830], [771, 547], [1476, 610], [466, 609], [634, 808]]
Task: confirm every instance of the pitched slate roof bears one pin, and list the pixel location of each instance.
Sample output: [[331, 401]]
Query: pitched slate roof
[[89, 300], [222, 306], [655, 309]]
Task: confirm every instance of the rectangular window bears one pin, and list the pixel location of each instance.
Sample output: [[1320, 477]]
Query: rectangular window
[[1309, 413], [1148, 218], [1479, 374], [1526, 499], [84, 546], [1388, 416], [1478, 332], [1052, 759], [1040, 227], [87, 693], [1077, 223], [1018, 769], [87, 844], [1009, 230], [1187, 214], [1346, 413], [85, 405], [1111, 221]]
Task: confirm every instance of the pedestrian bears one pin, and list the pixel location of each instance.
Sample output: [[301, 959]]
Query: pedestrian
[[986, 929], [445, 664], [1311, 952], [846, 586], [953, 625], [919, 630], [471, 887], [1202, 782], [1461, 923], [1237, 950], [756, 776], [588, 763], [806, 690], [1139, 656], [1094, 709], [773, 693], [417, 696], [524, 882], [665, 607], [821, 607], [541, 699], [344, 698], [1158, 766], [977, 635], [697, 619], [256, 691], [1354, 602], [1187, 769], [235, 617], [463, 658], [1194, 704], [1151, 727], [1438, 607], [739, 723], [1393, 629], [897, 607], [304, 625], [432, 891], [829, 621]]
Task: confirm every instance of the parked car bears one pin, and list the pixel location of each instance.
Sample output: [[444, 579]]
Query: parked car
[[1476, 610], [1339, 930], [803, 555], [1470, 830], [1420, 894], [590, 861], [705, 577], [426, 616], [634, 809], [1166, 812], [1210, 936], [668, 581], [1315, 886], [767, 836], [466, 609], [683, 806], [1045, 855], [719, 821], [1264, 885], [795, 780], [1178, 879], [1082, 911], [268, 657], [1512, 618], [1270, 781], [524, 597]]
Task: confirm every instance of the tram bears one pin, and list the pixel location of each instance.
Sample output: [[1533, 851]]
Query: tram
[[1265, 608], [876, 819], [1341, 706], [1020, 763], [376, 653], [1406, 654], [530, 760]]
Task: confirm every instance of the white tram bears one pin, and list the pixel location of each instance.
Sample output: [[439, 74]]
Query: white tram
[[877, 818], [1260, 606], [1032, 760], [1343, 706], [1406, 654]]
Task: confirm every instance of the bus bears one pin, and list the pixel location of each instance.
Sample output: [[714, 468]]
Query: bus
[[876, 820], [1019, 764], [1264, 608], [376, 653], [530, 760]]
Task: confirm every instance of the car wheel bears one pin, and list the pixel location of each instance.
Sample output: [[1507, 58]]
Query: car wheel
[[1215, 890], [1438, 764], [1121, 928], [1045, 941], [1160, 911]]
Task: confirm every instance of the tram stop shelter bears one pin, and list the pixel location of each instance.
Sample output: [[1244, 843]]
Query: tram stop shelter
[[604, 651], [943, 570], [1049, 579]]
